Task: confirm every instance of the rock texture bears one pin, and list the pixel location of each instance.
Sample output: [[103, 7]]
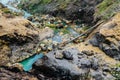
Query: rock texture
[[15, 75], [18, 38], [70, 9], [107, 38], [97, 58]]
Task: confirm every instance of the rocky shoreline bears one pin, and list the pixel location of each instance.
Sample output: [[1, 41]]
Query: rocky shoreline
[[94, 56]]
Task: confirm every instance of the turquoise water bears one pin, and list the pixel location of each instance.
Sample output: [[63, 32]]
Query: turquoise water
[[13, 7], [27, 63]]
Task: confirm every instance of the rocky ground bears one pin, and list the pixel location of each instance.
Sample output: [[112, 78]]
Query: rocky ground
[[94, 56]]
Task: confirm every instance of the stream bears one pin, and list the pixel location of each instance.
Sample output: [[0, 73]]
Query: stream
[[12, 5], [27, 63]]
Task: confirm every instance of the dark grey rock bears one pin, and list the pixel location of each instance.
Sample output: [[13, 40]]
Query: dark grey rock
[[95, 63], [106, 68], [85, 63], [60, 68], [68, 55], [105, 45], [97, 75]]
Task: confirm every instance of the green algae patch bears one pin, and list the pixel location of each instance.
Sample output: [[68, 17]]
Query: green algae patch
[[107, 9], [116, 71]]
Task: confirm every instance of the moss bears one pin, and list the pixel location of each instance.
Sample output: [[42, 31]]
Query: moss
[[104, 5], [116, 73], [6, 10], [39, 6], [46, 1], [51, 25], [106, 9], [65, 31]]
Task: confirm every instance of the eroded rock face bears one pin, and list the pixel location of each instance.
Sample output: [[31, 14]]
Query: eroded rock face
[[13, 75], [108, 38], [70, 9], [80, 67], [18, 38]]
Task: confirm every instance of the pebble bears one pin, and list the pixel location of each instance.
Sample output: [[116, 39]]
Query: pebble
[[49, 48]]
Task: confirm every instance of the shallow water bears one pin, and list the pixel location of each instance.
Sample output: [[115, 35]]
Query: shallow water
[[27, 63], [12, 5]]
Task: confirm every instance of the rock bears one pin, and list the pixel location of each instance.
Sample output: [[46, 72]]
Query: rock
[[43, 47], [1, 6], [109, 77], [11, 74], [85, 63], [104, 38], [118, 69], [59, 26], [106, 68], [38, 50], [67, 9], [95, 63], [19, 41], [58, 55], [30, 18], [58, 68], [49, 48], [67, 55], [97, 75], [89, 53]]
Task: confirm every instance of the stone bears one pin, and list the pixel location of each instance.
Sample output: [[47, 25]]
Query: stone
[[49, 48], [67, 55], [71, 10], [58, 55], [88, 53], [62, 68], [85, 63], [38, 50], [95, 63], [106, 68], [97, 75]]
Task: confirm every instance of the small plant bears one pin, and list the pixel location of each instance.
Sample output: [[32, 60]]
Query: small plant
[[116, 72], [6, 10], [65, 31]]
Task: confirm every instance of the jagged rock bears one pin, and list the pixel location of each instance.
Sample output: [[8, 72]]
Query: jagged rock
[[60, 68], [85, 63], [97, 75], [18, 38], [68, 55], [95, 63], [9, 74], [76, 9], [107, 38]]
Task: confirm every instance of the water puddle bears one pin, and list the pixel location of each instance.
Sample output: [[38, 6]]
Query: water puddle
[[27, 63]]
